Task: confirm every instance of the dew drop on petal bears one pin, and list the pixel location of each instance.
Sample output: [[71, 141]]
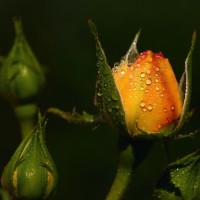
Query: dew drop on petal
[[149, 107], [122, 72], [148, 81], [142, 75], [131, 76], [142, 104], [159, 126], [172, 108], [138, 65], [148, 71], [141, 88], [157, 69], [144, 109], [156, 80], [157, 88], [146, 90], [149, 59], [161, 95], [131, 83], [165, 110]]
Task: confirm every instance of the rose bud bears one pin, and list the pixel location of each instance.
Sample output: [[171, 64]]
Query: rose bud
[[140, 95], [31, 172], [21, 76], [149, 93]]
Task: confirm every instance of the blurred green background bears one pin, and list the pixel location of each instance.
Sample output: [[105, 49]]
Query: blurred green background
[[58, 34]]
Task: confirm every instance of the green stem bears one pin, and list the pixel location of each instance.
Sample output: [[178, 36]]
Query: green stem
[[26, 115], [124, 173]]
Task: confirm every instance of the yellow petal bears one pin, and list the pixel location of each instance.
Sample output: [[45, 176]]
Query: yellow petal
[[149, 92]]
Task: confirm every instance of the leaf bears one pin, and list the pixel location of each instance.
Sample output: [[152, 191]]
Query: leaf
[[180, 180]]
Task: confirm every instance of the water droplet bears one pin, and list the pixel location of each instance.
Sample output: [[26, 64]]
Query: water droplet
[[122, 72], [149, 59], [131, 83], [142, 104], [157, 88], [141, 88], [135, 83], [148, 71], [146, 90], [114, 96], [161, 95], [164, 66], [136, 68], [134, 89], [116, 64], [156, 80], [149, 107], [141, 81], [165, 110], [157, 69], [172, 107], [99, 94], [142, 75], [157, 74], [159, 126], [138, 65], [144, 109], [148, 81]]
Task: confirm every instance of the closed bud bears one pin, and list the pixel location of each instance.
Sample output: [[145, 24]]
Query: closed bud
[[21, 76], [31, 173], [149, 93], [140, 96]]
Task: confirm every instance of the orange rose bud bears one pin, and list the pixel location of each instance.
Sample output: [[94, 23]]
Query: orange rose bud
[[149, 93]]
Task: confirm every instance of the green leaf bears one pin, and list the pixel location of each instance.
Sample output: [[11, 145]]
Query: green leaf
[[180, 180]]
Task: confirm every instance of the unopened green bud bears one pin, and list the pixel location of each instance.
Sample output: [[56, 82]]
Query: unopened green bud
[[21, 76], [31, 173]]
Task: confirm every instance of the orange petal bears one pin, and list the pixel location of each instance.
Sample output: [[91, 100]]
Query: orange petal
[[149, 92]]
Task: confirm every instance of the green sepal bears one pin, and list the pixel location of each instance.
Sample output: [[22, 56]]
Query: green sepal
[[188, 87], [107, 97], [132, 52], [180, 180], [21, 76], [31, 172]]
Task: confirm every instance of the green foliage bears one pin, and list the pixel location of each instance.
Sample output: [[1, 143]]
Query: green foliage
[[180, 180]]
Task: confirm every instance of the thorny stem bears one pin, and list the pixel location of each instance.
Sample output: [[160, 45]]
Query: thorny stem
[[124, 172]]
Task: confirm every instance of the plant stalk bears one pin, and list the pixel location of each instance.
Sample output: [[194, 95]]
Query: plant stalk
[[124, 172]]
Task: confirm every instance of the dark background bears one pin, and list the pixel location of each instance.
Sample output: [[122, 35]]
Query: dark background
[[58, 34]]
